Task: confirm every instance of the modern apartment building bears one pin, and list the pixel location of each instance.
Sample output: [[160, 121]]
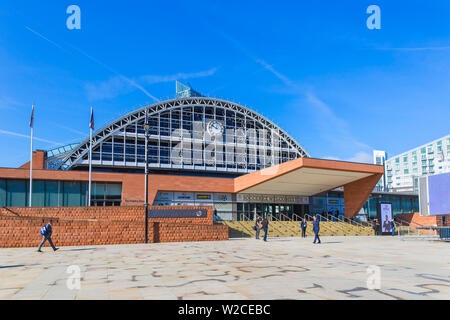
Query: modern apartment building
[[403, 170], [379, 158]]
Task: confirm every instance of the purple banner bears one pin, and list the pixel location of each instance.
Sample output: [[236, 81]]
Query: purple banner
[[439, 194]]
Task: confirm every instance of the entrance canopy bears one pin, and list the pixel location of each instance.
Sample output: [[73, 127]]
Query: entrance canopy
[[306, 177]]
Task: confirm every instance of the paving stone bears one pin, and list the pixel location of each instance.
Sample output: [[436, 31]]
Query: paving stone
[[282, 268]]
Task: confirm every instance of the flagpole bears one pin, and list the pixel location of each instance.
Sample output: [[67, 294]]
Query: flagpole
[[30, 202], [90, 167], [90, 160]]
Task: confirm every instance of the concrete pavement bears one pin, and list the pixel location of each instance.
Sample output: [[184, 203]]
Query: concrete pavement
[[282, 268]]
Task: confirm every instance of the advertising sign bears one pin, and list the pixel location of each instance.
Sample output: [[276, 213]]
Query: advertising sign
[[222, 197], [439, 194], [183, 196], [167, 196], [173, 213], [204, 197], [384, 213]]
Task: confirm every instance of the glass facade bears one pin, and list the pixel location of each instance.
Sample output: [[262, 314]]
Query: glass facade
[[200, 134], [222, 202], [329, 205], [49, 193], [400, 204]]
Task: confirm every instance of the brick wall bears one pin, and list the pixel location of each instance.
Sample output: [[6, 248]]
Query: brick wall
[[38, 160], [79, 213], [20, 227], [415, 219], [125, 213], [179, 232]]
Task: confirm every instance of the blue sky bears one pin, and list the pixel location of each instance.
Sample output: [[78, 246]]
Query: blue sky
[[313, 67]]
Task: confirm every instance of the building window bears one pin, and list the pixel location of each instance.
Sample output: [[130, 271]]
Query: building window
[[15, 193]]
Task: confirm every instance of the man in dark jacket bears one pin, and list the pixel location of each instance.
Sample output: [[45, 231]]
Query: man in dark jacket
[[46, 232], [265, 225], [316, 229], [375, 226], [303, 226]]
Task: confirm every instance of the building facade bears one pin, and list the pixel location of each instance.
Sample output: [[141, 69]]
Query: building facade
[[190, 134], [403, 170], [379, 158], [200, 151]]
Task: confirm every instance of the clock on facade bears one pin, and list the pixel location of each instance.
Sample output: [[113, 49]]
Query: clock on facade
[[215, 128]]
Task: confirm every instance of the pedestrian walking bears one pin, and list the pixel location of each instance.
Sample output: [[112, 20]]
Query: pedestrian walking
[[393, 227], [46, 233], [265, 225], [316, 229], [376, 227], [257, 227], [303, 226]]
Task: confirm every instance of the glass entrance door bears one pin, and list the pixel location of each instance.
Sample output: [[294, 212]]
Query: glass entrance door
[[267, 211]]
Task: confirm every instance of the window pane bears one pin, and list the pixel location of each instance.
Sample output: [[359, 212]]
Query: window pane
[[53, 195], [84, 193], [98, 191], [17, 193], [114, 190], [38, 193], [72, 196], [2, 193]]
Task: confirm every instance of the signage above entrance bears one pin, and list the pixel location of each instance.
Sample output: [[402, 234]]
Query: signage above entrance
[[264, 198]]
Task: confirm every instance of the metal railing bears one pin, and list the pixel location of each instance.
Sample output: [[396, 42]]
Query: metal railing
[[414, 228], [355, 223], [444, 233], [321, 218], [340, 226], [336, 226]]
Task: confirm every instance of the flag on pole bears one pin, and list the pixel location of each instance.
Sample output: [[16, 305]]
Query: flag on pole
[[30, 200], [32, 117], [92, 123], [91, 126]]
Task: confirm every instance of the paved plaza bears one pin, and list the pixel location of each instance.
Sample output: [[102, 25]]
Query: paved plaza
[[282, 268]]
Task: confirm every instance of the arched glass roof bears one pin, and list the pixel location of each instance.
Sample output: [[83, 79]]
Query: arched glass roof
[[190, 133]]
